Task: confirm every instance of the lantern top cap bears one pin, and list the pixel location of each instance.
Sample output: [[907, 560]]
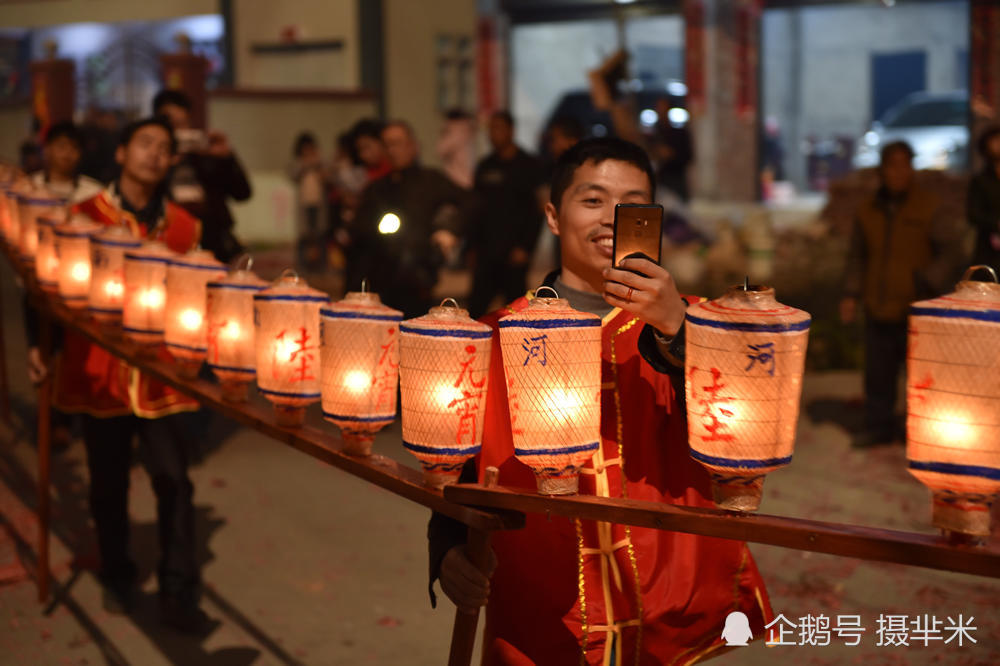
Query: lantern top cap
[[197, 258], [79, 224], [753, 304], [241, 276], [117, 232], [450, 316], [290, 284]]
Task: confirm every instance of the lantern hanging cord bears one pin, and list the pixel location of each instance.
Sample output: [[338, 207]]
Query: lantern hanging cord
[[244, 262], [746, 283], [981, 267], [545, 286], [288, 275], [364, 285], [451, 300]]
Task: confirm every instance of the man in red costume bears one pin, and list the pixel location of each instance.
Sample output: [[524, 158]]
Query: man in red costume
[[572, 592], [118, 402]]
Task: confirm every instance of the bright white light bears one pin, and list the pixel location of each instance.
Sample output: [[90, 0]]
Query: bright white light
[[624, 2], [284, 350], [151, 298], [648, 117], [113, 288], [871, 138], [231, 330], [446, 394], [677, 88], [356, 381], [389, 224], [678, 116], [190, 319], [80, 271]]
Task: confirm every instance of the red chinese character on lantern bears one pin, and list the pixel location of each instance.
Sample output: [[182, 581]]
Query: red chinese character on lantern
[[715, 406], [385, 372], [294, 352], [212, 341], [467, 404]]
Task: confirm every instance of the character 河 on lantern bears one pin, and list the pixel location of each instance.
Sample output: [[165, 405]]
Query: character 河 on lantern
[[184, 318], [230, 331], [953, 403], [46, 261], [360, 359], [444, 362], [72, 248], [744, 362], [107, 265], [145, 271], [286, 319], [552, 360]]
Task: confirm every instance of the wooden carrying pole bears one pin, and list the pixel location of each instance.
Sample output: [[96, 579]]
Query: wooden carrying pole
[[44, 458], [463, 635]]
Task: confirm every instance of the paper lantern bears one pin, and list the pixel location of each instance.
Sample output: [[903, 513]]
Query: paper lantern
[[744, 363], [6, 189], [444, 364], [552, 360], [145, 271], [230, 331], [12, 230], [184, 314], [30, 206], [286, 319], [107, 280], [360, 361], [72, 249], [46, 261], [953, 403]]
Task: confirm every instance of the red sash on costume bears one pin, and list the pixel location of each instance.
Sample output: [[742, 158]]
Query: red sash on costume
[[89, 379], [563, 586]]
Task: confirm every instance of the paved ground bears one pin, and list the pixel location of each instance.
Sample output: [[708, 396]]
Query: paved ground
[[306, 565]]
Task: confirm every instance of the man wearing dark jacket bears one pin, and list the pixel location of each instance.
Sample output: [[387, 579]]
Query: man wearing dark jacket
[[902, 250], [205, 176], [984, 201], [407, 225], [508, 217]]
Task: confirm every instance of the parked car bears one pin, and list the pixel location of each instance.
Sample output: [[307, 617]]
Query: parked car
[[936, 125]]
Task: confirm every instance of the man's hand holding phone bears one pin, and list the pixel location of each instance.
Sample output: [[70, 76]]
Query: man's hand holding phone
[[646, 290]]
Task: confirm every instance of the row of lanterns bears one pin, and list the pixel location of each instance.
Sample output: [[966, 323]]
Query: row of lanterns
[[744, 365]]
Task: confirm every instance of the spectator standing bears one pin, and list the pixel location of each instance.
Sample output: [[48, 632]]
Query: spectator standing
[[306, 171], [984, 201], [61, 154], [508, 218], [456, 147], [902, 250], [205, 177]]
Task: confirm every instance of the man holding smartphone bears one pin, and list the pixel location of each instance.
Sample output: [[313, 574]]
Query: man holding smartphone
[[563, 591]]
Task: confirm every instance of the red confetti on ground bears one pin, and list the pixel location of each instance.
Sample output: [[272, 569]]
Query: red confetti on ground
[[387, 621]]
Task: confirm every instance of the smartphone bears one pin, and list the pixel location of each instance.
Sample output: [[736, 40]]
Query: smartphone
[[638, 230]]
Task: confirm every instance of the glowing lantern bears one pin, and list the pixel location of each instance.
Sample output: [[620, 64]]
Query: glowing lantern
[[6, 186], [107, 281], [360, 361], [953, 401], [286, 319], [72, 249], [145, 271], [32, 205], [444, 363], [12, 224], [46, 261], [230, 331], [552, 360], [184, 320], [744, 362]]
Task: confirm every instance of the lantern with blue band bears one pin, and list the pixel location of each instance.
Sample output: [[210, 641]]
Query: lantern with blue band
[[444, 364], [286, 337], [145, 271], [360, 361], [72, 249], [31, 205], [46, 261], [107, 265], [743, 366], [184, 317], [953, 403], [230, 330], [552, 361]]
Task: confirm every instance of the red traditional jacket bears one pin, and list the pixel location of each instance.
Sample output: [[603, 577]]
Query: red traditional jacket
[[89, 379], [565, 590]]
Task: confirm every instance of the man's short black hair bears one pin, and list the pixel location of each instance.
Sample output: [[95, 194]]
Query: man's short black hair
[[369, 127], [457, 114], [168, 96], [890, 148], [129, 131], [597, 150], [568, 125], [302, 140], [504, 115], [983, 145], [64, 130]]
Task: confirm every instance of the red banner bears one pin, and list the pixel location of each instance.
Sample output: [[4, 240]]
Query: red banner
[[694, 54]]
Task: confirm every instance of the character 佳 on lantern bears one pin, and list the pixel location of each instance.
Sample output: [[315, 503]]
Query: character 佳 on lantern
[[444, 361], [552, 360], [744, 363], [230, 331], [184, 318], [286, 321], [953, 403], [360, 360]]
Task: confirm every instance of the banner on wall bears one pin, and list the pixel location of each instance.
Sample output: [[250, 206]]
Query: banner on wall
[[694, 54], [746, 44]]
